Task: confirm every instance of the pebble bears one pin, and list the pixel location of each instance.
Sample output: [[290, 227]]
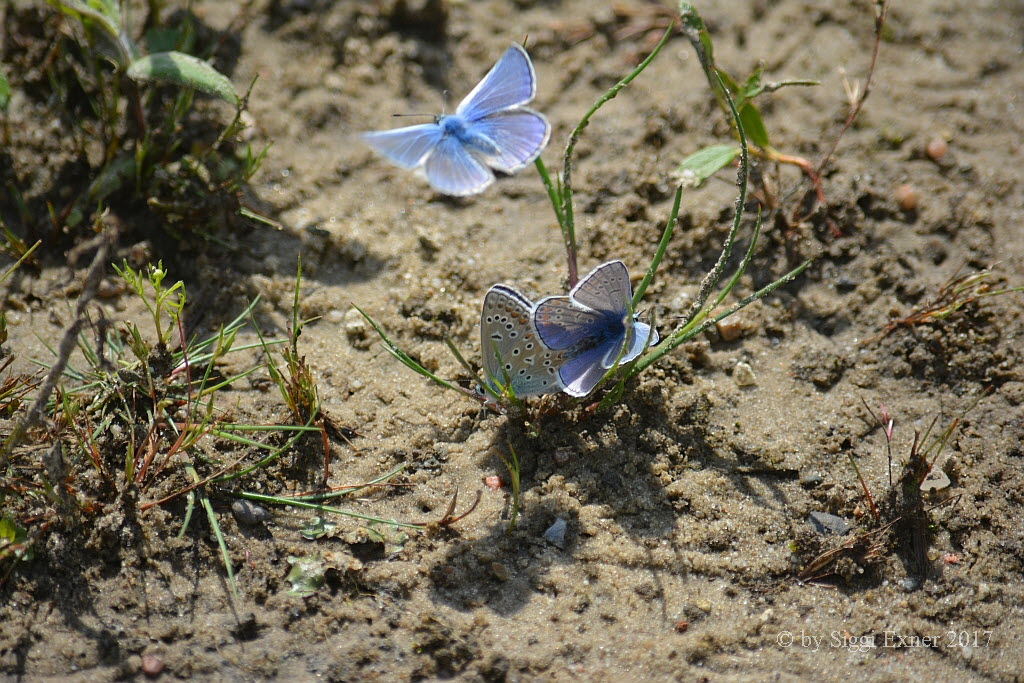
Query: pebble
[[249, 513], [824, 523], [936, 148], [811, 479], [152, 665], [500, 571], [744, 375], [909, 584], [355, 326], [555, 533], [730, 330], [907, 197]]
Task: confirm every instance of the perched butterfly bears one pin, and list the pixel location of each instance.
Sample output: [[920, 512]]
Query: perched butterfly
[[491, 129], [513, 356], [591, 326]]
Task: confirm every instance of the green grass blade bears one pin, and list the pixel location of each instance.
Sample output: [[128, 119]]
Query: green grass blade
[[666, 235], [215, 525], [278, 500]]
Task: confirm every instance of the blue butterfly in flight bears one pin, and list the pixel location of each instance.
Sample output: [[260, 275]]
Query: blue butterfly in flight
[[592, 327], [490, 129]]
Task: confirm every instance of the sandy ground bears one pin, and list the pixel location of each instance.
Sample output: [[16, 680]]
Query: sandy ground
[[687, 505]]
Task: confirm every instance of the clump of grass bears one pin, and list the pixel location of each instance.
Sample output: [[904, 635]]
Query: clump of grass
[[142, 411], [958, 291], [901, 522], [129, 105]]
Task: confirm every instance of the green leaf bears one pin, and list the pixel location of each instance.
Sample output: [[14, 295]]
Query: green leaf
[[753, 126], [318, 528], [306, 576], [701, 165], [5, 93], [12, 534], [185, 70], [750, 88], [106, 14]]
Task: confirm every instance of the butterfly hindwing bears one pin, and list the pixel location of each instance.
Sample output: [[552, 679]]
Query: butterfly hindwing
[[513, 356], [605, 288], [519, 136], [581, 374], [454, 171]]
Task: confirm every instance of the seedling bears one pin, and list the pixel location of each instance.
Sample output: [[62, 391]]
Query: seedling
[[701, 165], [904, 512], [958, 291]]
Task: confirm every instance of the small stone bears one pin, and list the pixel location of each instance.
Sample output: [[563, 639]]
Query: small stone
[[334, 81], [936, 480], [152, 665], [845, 284], [907, 197], [335, 316], [824, 523], [356, 328], [744, 375], [109, 288], [555, 533], [500, 571], [249, 513], [909, 584], [936, 148], [810, 480], [730, 330]]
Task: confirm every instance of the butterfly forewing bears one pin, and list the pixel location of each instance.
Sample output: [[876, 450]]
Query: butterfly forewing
[[606, 288], [582, 373], [510, 83], [407, 147], [561, 324], [513, 356]]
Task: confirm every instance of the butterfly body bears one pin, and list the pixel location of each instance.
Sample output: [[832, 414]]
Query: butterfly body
[[491, 130], [514, 358], [593, 327]]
